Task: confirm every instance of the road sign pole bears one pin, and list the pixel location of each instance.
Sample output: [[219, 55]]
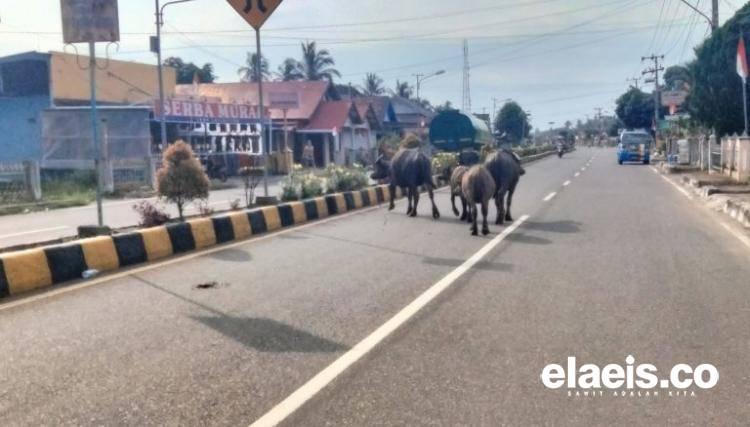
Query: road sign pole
[[266, 141], [95, 134]]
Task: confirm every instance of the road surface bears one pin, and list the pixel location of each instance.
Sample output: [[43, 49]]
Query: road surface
[[58, 223], [401, 321]]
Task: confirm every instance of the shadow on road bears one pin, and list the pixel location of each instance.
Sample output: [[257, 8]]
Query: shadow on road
[[269, 336], [265, 335], [481, 265], [232, 255], [554, 226], [525, 238]]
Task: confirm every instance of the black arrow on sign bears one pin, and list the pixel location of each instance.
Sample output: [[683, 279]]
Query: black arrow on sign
[[249, 6]]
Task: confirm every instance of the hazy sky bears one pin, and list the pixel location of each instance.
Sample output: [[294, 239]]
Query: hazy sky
[[558, 58]]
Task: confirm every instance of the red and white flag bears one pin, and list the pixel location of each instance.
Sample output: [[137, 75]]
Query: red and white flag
[[742, 68]]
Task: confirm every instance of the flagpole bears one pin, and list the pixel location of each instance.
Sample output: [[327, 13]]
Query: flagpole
[[744, 102]]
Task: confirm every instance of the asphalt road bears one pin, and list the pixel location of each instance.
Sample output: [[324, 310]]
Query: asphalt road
[[615, 263], [43, 226]]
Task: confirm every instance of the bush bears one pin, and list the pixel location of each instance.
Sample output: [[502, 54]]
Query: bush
[[151, 215], [340, 178], [181, 178], [251, 178], [301, 185], [444, 163]]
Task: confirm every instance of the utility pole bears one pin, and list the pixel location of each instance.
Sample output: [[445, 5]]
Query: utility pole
[[655, 71], [599, 119], [712, 20], [635, 81]]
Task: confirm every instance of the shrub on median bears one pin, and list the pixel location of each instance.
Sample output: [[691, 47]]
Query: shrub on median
[[181, 178]]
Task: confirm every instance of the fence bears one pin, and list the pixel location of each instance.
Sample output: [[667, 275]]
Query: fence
[[19, 183], [734, 157]]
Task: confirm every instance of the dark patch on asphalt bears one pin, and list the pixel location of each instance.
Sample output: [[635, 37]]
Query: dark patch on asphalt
[[231, 255], [269, 336], [211, 285], [554, 226], [525, 238]]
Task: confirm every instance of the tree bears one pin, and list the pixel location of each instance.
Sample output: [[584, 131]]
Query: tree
[[677, 77], [289, 71], [317, 64], [249, 73], [448, 106], [181, 178], [512, 122], [636, 109], [403, 89], [373, 85], [715, 99], [187, 71]]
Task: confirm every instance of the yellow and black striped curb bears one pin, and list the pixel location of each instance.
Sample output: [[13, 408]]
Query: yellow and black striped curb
[[37, 268]]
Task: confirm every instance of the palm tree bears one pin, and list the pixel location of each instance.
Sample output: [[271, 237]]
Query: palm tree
[[249, 73], [403, 89], [373, 85], [289, 71], [317, 64]]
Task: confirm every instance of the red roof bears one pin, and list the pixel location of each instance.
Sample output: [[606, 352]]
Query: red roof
[[333, 114], [311, 94]]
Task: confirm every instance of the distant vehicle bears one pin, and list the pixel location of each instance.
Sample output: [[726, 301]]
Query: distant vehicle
[[634, 146]]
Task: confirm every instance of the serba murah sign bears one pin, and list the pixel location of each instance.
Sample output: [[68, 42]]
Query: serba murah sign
[[188, 111]]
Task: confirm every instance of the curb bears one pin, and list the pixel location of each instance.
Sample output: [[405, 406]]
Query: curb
[[47, 266]]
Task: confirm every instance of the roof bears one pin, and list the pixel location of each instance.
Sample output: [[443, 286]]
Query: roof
[[403, 106], [382, 106], [365, 111], [25, 56], [311, 94], [333, 114]]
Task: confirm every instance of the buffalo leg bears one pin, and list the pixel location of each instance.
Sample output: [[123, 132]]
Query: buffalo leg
[[464, 213], [500, 204], [508, 217], [407, 190], [473, 214], [435, 211], [485, 211], [392, 191], [453, 204], [414, 191]]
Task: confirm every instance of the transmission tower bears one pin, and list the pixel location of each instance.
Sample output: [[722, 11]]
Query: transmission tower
[[467, 80]]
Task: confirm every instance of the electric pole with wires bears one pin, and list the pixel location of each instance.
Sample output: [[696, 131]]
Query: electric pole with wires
[[655, 72], [635, 81]]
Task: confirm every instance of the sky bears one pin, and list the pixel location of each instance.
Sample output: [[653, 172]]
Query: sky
[[559, 59]]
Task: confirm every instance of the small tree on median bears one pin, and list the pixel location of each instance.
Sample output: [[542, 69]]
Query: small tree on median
[[181, 178]]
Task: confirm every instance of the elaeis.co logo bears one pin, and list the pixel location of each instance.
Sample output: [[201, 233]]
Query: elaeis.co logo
[[631, 380]]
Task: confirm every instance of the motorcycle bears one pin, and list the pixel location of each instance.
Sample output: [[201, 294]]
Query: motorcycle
[[560, 151], [214, 169]]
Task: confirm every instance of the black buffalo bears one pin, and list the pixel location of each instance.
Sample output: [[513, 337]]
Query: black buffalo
[[506, 170], [478, 187], [409, 170]]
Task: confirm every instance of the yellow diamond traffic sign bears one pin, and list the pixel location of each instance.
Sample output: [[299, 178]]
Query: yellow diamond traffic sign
[[255, 12]]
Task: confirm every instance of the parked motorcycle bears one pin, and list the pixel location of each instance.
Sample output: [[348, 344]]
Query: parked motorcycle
[[214, 169]]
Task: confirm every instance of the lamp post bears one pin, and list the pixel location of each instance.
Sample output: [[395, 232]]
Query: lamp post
[[157, 49], [422, 77]]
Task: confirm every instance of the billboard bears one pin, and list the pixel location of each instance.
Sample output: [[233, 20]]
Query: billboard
[[87, 21]]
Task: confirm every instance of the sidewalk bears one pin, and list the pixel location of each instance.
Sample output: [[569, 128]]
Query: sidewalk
[[721, 192]]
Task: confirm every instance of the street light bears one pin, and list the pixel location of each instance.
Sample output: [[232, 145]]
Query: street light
[[157, 49], [423, 77]]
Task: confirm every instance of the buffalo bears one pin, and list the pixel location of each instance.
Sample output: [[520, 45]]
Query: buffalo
[[455, 182], [478, 187], [506, 170], [409, 169]]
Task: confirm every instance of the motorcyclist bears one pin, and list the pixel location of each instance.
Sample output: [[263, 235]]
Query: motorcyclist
[[560, 148]]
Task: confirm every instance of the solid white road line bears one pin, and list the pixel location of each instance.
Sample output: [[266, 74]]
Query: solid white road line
[[577, 174], [654, 169], [41, 230], [550, 196], [680, 189], [742, 238], [566, 183], [295, 400]]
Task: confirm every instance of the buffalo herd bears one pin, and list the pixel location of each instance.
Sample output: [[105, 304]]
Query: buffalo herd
[[496, 178]]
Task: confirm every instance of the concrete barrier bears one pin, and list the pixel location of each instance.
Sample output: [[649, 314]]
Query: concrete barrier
[[33, 269]]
